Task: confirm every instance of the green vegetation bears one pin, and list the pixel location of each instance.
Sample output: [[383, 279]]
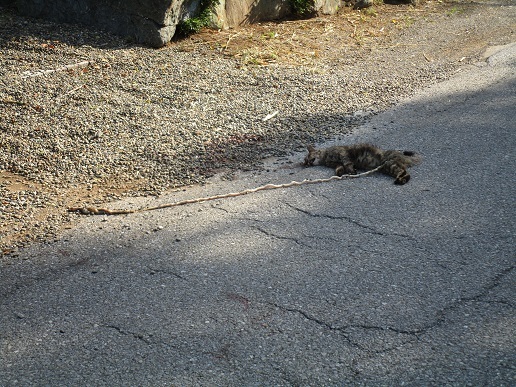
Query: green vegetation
[[453, 11], [303, 8], [203, 19], [269, 35]]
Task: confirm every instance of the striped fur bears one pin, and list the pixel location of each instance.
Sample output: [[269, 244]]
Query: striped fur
[[347, 159]]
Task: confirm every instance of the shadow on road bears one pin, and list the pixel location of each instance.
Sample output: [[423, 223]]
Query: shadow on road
[[356, 281]]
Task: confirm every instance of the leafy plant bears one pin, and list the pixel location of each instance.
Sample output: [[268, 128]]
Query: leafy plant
[[203, 19], [303, 7], [269, 35]]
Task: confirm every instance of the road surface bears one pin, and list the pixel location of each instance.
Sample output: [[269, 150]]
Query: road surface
[[344, 283]]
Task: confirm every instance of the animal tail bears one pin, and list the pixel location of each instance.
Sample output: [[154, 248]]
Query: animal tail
[[414, 157]]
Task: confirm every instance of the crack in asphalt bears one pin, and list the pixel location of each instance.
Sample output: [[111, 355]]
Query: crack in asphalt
[[272, 235], [123, 332], [317, 321], [441, 315], [415, 333], [493, 284], [169, 272], [346, 335], [220, 208], [343, 331], [369, 229], [305, 315]]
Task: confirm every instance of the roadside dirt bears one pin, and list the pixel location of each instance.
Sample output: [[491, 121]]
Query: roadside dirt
[[451, 34], [317, 41]]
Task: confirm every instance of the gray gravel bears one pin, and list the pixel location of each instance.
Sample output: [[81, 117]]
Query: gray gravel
[[142, 121]]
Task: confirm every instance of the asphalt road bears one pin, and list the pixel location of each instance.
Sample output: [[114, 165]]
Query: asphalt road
[[344, 283]]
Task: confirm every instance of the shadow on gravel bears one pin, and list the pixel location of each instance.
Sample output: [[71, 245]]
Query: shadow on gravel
[[357, 281], [15, 30]]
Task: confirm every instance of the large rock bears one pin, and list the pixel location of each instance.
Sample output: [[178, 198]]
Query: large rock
[[153, 22], [232, 13], [327, 7]]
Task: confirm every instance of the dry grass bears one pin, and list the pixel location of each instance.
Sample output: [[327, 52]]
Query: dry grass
[[310, 41]]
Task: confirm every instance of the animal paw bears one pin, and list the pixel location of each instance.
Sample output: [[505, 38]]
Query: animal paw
[[343, 170], [339, 171], [402, 179]]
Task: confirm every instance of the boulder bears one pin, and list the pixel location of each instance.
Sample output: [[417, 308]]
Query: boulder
[[153, 22], [327, 7], [233, 13]]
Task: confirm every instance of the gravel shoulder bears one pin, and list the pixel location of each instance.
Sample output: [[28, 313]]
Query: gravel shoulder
[[137, 121]]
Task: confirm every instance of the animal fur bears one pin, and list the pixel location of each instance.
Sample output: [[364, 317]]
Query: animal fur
[[346, 159]]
